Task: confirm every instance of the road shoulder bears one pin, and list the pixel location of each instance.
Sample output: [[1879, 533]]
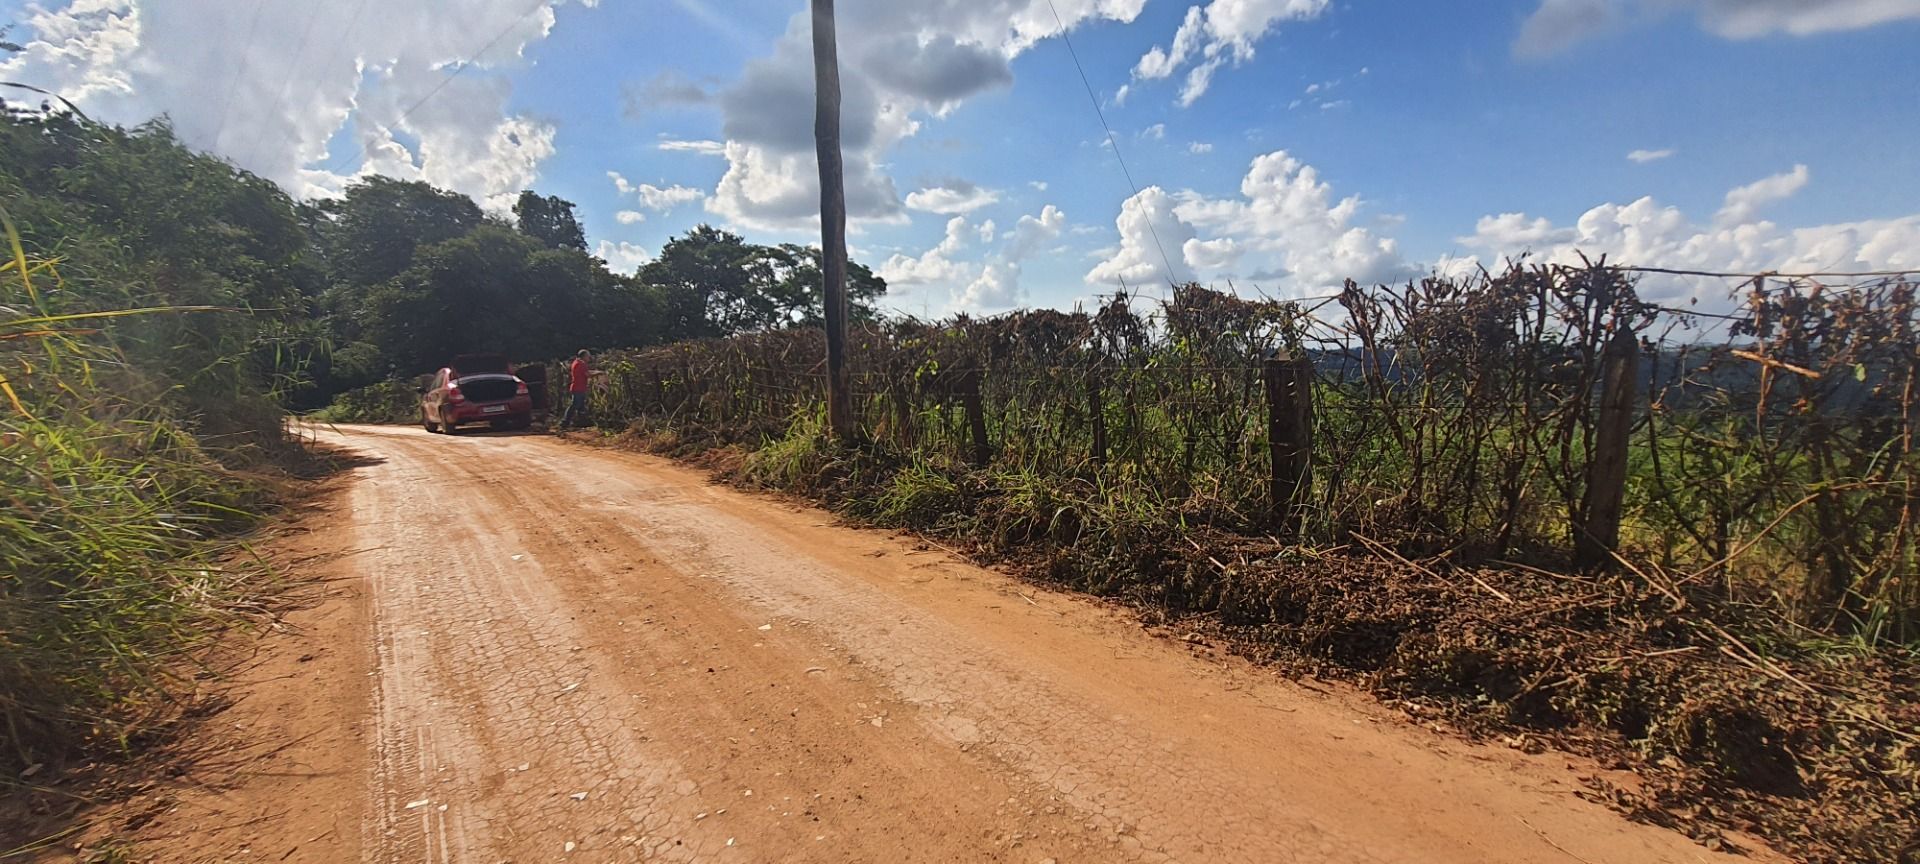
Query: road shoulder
[[273, 768]]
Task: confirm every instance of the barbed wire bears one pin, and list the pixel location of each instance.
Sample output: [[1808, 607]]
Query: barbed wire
[[1111, 141], [1765, 274]]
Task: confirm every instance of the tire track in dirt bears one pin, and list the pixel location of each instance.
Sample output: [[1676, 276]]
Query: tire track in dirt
[[486, 734], [500, 635], [726, 679]]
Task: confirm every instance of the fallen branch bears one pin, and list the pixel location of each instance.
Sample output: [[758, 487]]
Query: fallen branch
[[1216, 562], [1492, 590], [1775, 364], [1665, 587]]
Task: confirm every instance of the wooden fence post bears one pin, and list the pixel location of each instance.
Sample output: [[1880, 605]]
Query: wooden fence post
[[1097, 409], [976, 416], [902, 416], [1289, 385], [1599, 531]]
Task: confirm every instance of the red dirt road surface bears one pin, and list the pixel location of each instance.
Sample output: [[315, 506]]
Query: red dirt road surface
[[586, 655]]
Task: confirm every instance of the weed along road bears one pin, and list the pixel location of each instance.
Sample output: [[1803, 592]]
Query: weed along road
[[591, 655]]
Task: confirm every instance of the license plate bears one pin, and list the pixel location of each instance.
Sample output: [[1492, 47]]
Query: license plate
[[494, 409]]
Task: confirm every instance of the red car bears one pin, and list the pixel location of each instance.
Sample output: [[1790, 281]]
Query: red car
[[476, 388]]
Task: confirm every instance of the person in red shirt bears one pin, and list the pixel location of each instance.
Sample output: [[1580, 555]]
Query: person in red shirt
[[577, 373]]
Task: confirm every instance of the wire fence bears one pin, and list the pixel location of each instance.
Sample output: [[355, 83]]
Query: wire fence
[[1457, 417]]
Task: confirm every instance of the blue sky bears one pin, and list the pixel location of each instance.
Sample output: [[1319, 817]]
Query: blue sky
[[1334, 139]]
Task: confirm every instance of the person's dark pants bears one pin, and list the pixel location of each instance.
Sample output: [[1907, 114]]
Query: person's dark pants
[[576, 413]]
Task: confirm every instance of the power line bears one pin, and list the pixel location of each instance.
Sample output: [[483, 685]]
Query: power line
[[1111, 141], [1769, 274], [353, 24], [293, 68], [454, 73], [246, 51]]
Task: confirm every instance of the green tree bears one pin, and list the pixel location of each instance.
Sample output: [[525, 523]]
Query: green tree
[[371, 233], [464, 295], [714, 283], [703, 277], [799, 290], [550, 219], [498, 290], [141, 221], [622, 312], [362, 240]]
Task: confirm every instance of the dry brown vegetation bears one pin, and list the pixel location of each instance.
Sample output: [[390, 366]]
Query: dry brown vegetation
[[1746, 644]]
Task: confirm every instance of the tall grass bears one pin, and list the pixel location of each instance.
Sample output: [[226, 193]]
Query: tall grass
[[108, 533]]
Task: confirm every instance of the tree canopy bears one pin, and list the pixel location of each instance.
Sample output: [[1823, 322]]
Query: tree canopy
[[718, 284], [550, 219], [370, 233], [390, 277]]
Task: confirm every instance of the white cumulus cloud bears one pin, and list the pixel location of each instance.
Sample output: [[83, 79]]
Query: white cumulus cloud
[[269, 85], [983, 280], [1560, 24], [1148, 229], [623, 257], [1212, 254], [1644, 156], [936, 265], [653, 197], [1645, 232], [951, 196], [704, 148], [1290, 228], [1514, 231], [996, 288], [1034, 234], [1745, 202], [901, 61], [1216, 33]]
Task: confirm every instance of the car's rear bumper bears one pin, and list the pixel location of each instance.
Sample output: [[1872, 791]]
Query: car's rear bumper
[[518, 411]]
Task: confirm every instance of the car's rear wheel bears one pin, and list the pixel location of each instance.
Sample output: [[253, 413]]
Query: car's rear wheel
[[450, 427]]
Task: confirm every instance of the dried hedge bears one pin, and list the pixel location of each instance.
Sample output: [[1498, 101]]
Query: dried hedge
[[1750, 651]]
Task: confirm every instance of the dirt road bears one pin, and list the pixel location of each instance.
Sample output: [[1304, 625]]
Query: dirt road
[[598, 656]]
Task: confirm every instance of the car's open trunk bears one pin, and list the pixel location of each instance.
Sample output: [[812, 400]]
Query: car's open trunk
[[488, 388], [481, 364]]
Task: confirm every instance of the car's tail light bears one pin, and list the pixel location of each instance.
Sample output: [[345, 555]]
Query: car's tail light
[[519, 388], [454, 394]]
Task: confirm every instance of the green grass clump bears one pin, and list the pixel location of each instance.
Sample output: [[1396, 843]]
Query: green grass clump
[[916, 496], [795, 461], [108, 533], [393, 401]]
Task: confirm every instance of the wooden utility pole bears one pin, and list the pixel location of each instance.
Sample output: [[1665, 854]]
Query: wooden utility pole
[[833, 218]]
